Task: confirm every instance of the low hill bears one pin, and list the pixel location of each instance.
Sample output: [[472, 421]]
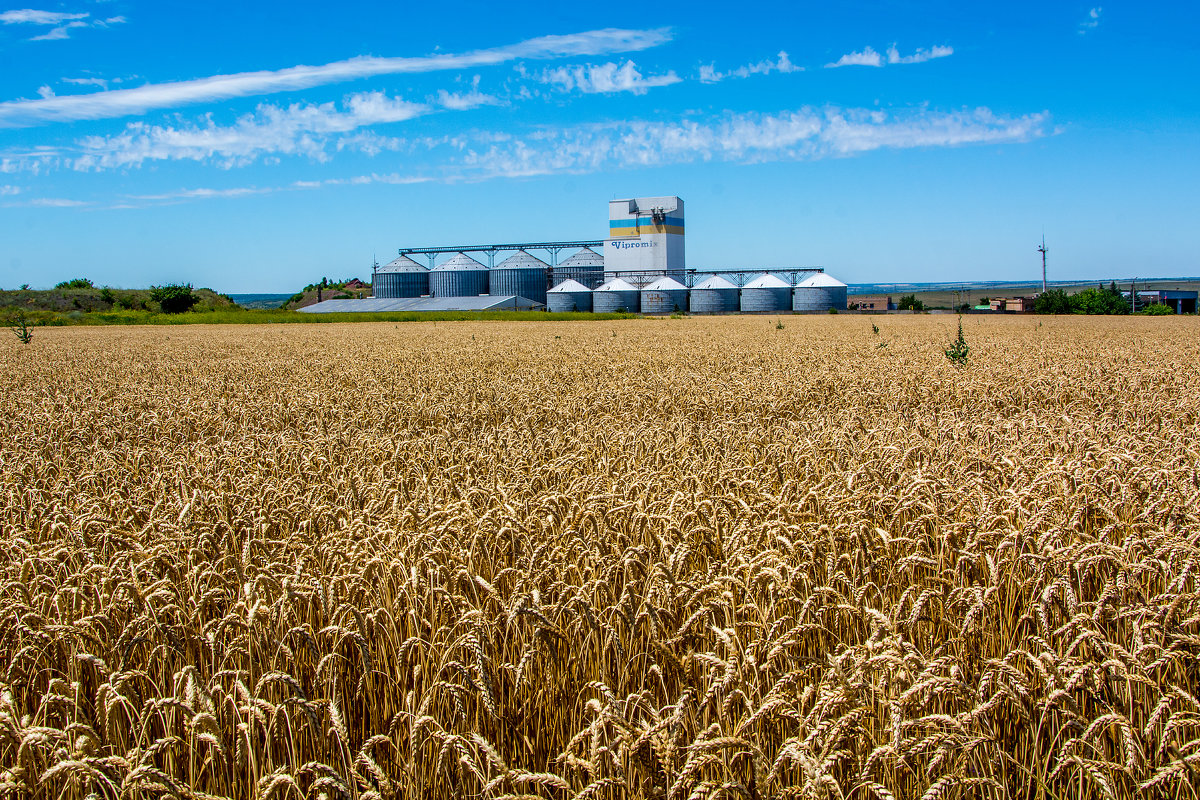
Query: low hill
[[351, 288], [90, 298]]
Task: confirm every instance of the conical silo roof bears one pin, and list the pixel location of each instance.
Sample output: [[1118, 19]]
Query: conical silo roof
[[570, 286], [820, 281], [403, 264], [586, 257], [522, 260], [616, 285], [665, 284], [767, 281], [715, 282], [460, 261]]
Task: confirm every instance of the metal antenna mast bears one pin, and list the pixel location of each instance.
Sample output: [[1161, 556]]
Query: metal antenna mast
[[1043, 251]]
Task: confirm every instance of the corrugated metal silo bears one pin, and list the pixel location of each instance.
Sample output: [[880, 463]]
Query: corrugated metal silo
[[819, 292], [714, 296], [569, 296], [400, 278], [461, 276], [586, 267], [520, 274], [766, 294], [664, 296], [615, 295]]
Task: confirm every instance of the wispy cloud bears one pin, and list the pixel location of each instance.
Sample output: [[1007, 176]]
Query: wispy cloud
[[186, 195], [54, 202], [61, 32], [463, 101], [32, 160], [29, 16], [298, 129], [124, 102], [606, 78], [921, 55], [804, 134], [63, 22], [868, 57], [101, 82], [709, 73], [9, 190], [318, 131], [1092, 21]]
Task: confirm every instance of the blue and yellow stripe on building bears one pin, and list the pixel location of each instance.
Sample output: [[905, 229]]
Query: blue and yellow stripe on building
[[644, 224]]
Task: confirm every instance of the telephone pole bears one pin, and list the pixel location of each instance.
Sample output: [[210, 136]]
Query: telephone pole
[[1043, 251]]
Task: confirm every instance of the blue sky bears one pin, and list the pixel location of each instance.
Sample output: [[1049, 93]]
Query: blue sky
[[260, 146]]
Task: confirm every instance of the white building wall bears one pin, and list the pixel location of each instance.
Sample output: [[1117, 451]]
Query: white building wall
[[645, 234]]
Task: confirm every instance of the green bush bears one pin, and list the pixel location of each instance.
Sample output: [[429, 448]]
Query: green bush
[[909, 302], [75, 283], [1157, 310], [106, 295], [1053, 301], [174, 298], [959, 351]]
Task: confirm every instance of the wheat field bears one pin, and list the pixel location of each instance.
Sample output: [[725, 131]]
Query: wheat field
[[677, 559]]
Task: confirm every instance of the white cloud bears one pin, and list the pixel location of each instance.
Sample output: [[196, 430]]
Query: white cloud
[[184, 195], [34, 160], [796, 135], [61, 32], [9, 190], [201, 194], [709, 74], [29, 16], [606, 78], [103, 84], [63, 23], [921, 55], [125, 102], [298, 129], [1092, 21], [370, 143], [463, 101], [54, 202], [867, 58]]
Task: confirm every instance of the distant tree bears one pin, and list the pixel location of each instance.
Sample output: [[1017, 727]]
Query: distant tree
[[1053, 301], [1101, 300], [174, 298], [24, 287], [106, 295], [910, 302], [75, 283]]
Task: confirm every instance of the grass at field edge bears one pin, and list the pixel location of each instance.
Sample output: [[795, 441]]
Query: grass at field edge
[[272, 316]]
